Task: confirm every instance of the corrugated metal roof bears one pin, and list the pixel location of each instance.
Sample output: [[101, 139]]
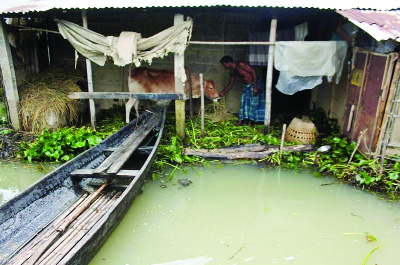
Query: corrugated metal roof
[[24, 6], [381, 25]]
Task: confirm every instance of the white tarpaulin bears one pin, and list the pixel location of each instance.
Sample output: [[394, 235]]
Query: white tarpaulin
[[302, 64], [129, 47]]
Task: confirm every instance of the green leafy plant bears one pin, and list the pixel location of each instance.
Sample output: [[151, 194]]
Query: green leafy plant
[[60, 145], [5, 131]]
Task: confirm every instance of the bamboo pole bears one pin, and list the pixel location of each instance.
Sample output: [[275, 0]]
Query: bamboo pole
[[95, 217], [79, 220], [357, 145], [29, 249], [89, 78], [47, 256], [81, 209], [282, 141], [78, 235], [270, 69], [58, 231], [232, 42], [349, 122], [362, 86], [202, 103]]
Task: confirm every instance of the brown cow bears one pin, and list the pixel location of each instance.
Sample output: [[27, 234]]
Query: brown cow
[[147, 80]]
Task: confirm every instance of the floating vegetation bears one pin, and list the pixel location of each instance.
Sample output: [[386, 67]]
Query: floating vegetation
[[369, 238], [65, 143], [60, 145], [45, 103], [361, 170]]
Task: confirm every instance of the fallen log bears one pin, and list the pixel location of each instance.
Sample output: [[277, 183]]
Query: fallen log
[[246, 152]]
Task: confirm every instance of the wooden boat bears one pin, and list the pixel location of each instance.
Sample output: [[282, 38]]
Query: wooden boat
[[56, 220]]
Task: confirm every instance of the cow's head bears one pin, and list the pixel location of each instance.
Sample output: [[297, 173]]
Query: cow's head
[[209, 89]]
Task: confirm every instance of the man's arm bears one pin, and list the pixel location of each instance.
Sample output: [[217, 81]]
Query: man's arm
[[229, 86], [253, 74]]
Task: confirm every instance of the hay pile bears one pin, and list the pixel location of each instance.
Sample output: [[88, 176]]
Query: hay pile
[[217, 112], [44, 100]]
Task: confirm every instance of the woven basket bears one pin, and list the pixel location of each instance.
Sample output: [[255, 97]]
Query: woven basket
[[302, 131]]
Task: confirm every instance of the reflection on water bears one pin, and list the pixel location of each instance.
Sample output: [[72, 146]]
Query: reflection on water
[[247, 215], [17, 176]]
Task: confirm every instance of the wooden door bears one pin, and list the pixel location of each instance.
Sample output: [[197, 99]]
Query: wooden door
[[356, 82], [372, 85]]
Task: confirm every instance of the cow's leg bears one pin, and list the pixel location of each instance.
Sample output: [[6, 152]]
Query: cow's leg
[[128, 106], [133, 102], [136, 106]]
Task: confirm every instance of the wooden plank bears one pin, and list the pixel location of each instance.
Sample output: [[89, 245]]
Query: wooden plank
[[89, 79], [83, 171], [142, 149], [9, 79], [131, 173], [128, 147], [103, 176], [270, 69], [114, 162], [222, 154], [89, 173], [124, 95], [179, 71]]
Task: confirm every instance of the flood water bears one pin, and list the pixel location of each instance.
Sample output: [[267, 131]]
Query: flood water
[[15, 177], [242, 214], [247, 215]]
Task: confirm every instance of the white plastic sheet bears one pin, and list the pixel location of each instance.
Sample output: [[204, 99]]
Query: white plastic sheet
[[303, 64]]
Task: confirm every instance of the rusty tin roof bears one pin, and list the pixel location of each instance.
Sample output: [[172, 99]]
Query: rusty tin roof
[[24, 6], [381, 25]]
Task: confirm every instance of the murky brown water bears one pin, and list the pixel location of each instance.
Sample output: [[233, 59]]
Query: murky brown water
[[247, 215], [17, 176], [242, 215]]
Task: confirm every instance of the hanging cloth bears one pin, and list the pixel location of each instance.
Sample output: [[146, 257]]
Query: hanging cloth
[[129, 47], [303, 64]]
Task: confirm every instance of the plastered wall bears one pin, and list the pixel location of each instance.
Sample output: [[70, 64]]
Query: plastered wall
[[332, 97], [199, 58], [209, 25]]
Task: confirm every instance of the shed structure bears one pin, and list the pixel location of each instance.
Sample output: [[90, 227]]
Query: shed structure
[[215, 26]]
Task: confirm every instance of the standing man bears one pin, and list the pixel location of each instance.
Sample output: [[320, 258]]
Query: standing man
[[252, 103]]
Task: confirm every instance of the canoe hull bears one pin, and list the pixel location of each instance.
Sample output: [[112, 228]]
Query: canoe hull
[[25, 215]]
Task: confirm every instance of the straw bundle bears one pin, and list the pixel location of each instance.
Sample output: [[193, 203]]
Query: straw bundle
[[218, 112], [45, 103]]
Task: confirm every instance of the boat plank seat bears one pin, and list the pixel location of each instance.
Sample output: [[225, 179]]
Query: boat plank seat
[[115, 161], [112, 164], [122, 174], [142, 149]]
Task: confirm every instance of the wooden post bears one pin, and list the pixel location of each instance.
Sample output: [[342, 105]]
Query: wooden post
[[89, 78], [270, 69], [9, 79], [282, 141], [190, 95], [202, 103], [35, 54], [179, 62]]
